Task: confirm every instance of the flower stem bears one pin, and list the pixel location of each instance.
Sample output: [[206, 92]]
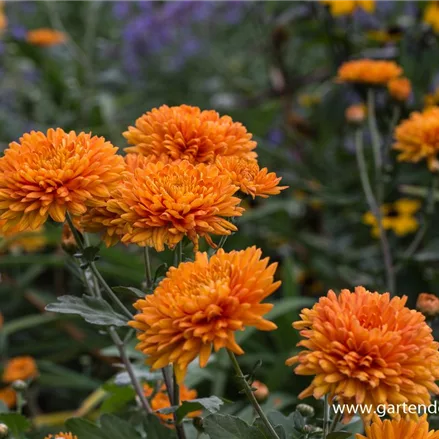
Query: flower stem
[[148, 275], [250, 395], [375, 209], [335, 421], [325, 416], [135, 382]]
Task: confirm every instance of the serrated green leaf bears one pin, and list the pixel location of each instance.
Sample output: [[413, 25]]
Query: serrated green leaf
[[230, 427], [119, 397], [92, 309], [16, 423]]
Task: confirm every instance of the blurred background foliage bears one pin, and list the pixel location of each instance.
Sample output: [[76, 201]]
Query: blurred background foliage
[[270, 65]]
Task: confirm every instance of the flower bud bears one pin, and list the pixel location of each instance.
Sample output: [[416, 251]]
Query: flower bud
[[356, 114], [305, 410], [68, 242], [260, 390], [428, 304], [19, 385], [4, 431]]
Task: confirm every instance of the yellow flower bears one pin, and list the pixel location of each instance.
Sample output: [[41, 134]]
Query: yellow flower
[[367, 348], [390, 35], [161, 401], [51, 174], [369, 71], [200, 305], [399, 428], [159, 204], [186, 132], [417, 138], [3, 19], [356, 114], [399, 88], [245, 173], [29, 242], [45, 37], [431, 15], [20, 368], [431, 100], [398, 217], [348, 7]]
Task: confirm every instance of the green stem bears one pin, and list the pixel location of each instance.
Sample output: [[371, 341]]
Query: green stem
[[126, 361], [335, 421], [429, 211], [325, 416], [148, 272], [375, 209], [376, 142], [250, 395]]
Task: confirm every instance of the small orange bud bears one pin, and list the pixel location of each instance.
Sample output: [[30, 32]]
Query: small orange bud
[[399, 88], [356, 113], [261, 391], [428, 304]]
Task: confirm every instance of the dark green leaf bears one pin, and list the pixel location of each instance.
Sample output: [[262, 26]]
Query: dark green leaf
[[84, 428], [16, 423], [116, 428], [230, 427], [156, 430], [94, 310], [339, 435], [119, 397], [90, 253]]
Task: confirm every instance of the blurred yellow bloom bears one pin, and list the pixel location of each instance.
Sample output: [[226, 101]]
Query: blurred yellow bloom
[[348, 7], [368, 71], [28, 242], [8, 396], [432, 99], [356, 114], [399, 88], [384, 35], [45, 37], [20, 368], [398, 217], [3, 19], [431, 16], [307, 100]]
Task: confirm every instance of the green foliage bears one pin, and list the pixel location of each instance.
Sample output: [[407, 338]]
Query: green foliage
[[17, 424], [93, 310]]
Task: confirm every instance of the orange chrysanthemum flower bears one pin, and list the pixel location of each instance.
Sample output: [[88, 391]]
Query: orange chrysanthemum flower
[[399, 88], [61, 436], [369, 71], [45, 37], [8, 396], [246, 174], [20, 368], [418, 138], [201, 304], [366, 348], [186, 132], [160, 203], [399, 428], [54, 173], [161, 401]]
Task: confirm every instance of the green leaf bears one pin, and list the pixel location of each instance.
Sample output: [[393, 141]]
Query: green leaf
[[339, 435], [84, 428], [279, 429], [16, 423], [156, 430], [90, 253], [27, 322], [119, 397], [230, 427], [211, 404], [94, 310], [116, 428], [130, 291]]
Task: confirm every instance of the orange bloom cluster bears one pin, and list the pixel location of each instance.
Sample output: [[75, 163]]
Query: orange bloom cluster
[[417, 138], [161, 401], [158, 204], [366, 348], [45, 37], [20, 368], [399, 428], [188, 133], [200, 305], [369, 71], [399, 88], [51, 174], [8, 396], [61, 436]]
